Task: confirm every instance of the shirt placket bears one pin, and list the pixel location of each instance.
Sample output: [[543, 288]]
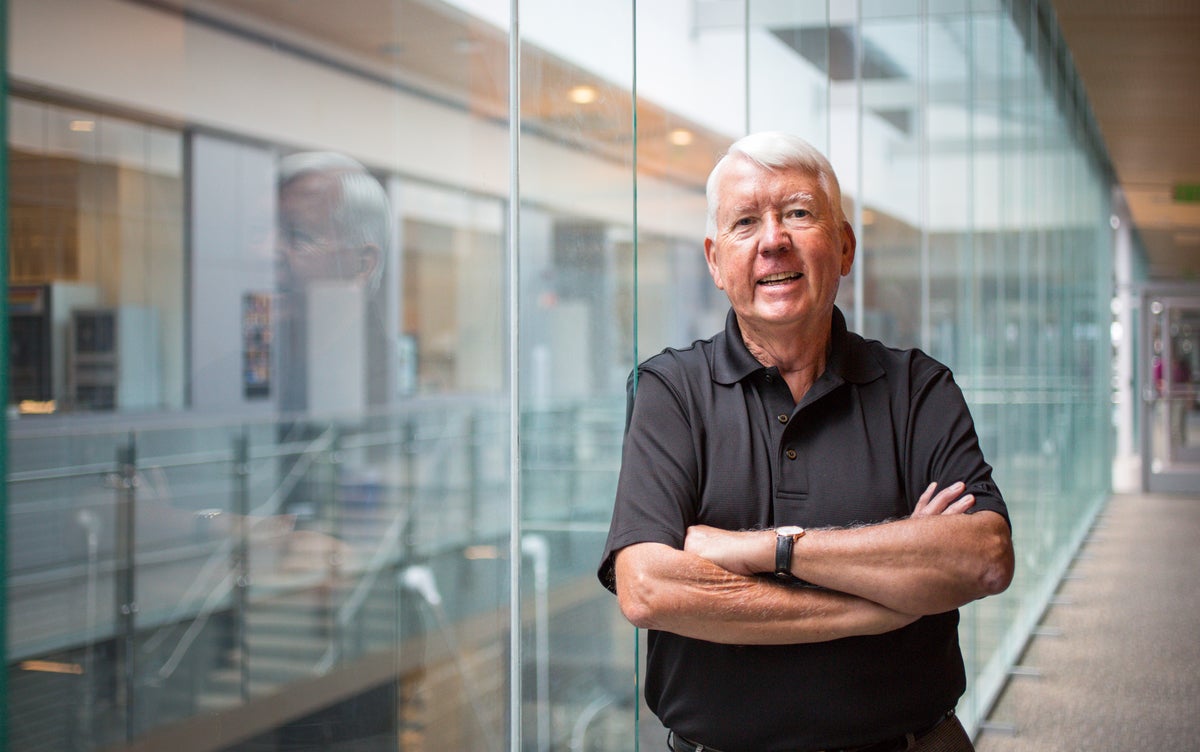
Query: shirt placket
[[788, 461]]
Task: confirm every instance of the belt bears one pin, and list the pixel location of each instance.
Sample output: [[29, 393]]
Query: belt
[[896, 744]]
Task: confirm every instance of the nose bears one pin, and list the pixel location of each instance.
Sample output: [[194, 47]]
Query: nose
[[774, 236]]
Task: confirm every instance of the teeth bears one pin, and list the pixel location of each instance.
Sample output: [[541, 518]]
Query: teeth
[[782, 276]]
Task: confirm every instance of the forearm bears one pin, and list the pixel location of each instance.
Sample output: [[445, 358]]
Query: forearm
[[920, 565], [666, 589]]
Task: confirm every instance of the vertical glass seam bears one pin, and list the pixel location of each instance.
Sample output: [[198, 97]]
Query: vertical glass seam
[[926, 331], [746, 63], [4, 374], [637, 633], [859, 280], [514, 386]]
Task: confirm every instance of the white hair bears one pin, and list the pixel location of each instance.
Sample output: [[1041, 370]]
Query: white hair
[[775, 150], [361, 216]]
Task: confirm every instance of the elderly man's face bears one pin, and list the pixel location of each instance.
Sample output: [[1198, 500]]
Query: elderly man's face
[[779, 248], [309, 238]]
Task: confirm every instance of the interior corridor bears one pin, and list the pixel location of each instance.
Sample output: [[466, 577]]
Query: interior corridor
[[1115, 663]]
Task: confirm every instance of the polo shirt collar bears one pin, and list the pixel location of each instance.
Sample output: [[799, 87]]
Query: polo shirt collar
[[849, 359]]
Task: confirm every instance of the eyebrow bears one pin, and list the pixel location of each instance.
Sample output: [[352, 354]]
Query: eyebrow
[[741, 210], [801, 196], [798, 196]]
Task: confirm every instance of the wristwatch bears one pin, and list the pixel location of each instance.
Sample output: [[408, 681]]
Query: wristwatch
[[785, 539]]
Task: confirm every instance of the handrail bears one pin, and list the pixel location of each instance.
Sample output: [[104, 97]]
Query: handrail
[[349, 609], [380, 559], [431, 435], [223, 587]]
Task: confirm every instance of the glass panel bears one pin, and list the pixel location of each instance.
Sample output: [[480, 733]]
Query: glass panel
[[951, 254], [795, 42], [284, 521], [261, 288], [577, 319], [890, 246]]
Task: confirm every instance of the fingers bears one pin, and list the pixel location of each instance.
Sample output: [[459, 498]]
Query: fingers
[[947, 501], [924, 500], [963, 504]]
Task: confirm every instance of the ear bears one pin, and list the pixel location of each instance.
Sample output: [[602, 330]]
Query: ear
[[849, 244], [370, 261], [710, 257]]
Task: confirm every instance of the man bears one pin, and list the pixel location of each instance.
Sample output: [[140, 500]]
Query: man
[[800, 511], [334, 232]]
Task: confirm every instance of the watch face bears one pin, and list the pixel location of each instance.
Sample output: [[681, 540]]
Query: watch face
[[789, 530]]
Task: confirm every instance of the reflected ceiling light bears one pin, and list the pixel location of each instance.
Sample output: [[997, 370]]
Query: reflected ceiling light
[[83, 126], [583, 94], [481, 552], [37, 407], [52, 667], [680, 137]]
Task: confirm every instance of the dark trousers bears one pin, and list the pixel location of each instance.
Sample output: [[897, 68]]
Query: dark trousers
[[946, 736]]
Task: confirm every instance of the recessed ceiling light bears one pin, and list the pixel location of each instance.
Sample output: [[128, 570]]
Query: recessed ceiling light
[[583, 94], [680, 137], [83, 126]]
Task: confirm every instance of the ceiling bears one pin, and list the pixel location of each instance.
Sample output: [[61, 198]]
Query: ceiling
[[1139, 61], [443, 52]]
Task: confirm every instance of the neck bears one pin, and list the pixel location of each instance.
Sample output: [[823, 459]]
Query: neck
[[799, 353]]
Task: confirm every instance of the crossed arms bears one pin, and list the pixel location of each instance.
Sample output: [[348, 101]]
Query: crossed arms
[[872, 579]]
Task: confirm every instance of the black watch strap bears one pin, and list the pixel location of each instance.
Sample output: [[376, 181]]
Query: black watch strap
[[785, 542]]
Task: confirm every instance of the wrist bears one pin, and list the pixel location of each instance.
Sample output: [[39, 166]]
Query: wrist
[[785, 542]]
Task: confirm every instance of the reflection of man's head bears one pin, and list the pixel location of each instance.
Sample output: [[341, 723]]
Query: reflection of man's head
[[333, 219]]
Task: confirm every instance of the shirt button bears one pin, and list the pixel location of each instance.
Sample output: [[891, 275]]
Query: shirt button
[[791, 454], [783, 418], [767, 376]]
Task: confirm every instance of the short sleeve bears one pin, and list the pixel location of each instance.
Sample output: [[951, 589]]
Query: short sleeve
[[943, 446], [659, 479]]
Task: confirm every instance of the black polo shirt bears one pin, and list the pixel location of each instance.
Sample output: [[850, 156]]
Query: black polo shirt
[[715, 438]]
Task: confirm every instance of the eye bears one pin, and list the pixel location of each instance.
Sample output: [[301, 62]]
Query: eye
[[798, 213]]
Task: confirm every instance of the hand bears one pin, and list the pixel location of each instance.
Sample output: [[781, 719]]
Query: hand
[[737, 552], [947, 501]]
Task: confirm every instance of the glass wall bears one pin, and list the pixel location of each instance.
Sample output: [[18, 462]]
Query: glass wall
[[321, 324]]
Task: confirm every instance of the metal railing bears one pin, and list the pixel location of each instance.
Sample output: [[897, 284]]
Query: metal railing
[[194, 568]]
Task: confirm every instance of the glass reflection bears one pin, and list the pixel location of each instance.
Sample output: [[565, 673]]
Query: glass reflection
[[259, 435]]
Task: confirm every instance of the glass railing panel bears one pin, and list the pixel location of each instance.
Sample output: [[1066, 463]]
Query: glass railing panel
[[222, 566]]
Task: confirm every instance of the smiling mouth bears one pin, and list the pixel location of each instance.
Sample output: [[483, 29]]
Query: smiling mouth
[[781, 278]]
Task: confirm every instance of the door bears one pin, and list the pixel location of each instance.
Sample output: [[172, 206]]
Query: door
[[1169, 371]]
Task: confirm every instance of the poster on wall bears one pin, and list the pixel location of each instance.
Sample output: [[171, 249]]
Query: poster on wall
[[256, 345]]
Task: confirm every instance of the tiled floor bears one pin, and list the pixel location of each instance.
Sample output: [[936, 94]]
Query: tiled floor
[[1116, 665]]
